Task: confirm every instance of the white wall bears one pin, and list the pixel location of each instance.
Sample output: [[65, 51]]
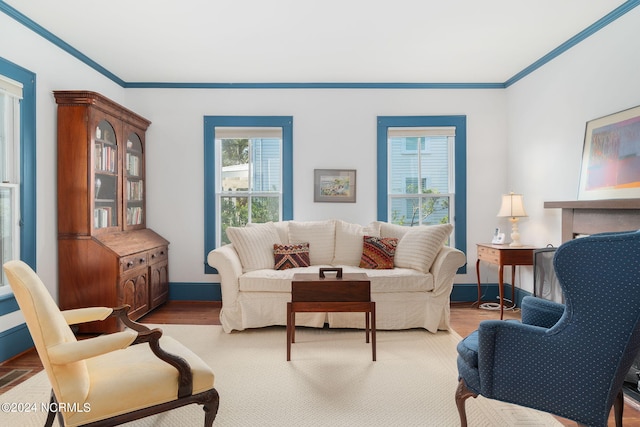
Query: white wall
[[331, 129], [547, 112]]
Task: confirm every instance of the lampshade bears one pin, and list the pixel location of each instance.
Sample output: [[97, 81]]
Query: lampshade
[[512, 206]]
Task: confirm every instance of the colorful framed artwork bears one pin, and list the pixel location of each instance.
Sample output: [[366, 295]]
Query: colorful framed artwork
[[334, 185], [611, 157]]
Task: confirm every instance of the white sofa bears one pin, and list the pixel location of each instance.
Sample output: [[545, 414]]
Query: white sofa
[[413, 294]]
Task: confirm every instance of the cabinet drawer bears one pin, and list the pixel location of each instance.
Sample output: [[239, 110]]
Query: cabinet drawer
[[158, 254], [133, 261], [489, 254]]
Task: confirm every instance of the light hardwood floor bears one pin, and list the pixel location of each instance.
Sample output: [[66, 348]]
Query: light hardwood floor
[[464, 320]]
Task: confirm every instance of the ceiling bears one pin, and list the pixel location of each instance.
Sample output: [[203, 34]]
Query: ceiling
[[303, 41]]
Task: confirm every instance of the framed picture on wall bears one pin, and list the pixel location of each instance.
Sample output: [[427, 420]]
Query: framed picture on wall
[[611, 157], [334, 185]]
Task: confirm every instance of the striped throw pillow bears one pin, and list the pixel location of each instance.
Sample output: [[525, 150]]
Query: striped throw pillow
[[378, 252]]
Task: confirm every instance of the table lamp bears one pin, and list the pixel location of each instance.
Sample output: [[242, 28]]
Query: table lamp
[[513, 208]]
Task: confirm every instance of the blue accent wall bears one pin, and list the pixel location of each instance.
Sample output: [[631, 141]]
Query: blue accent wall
[[194, 291], [14, 341]]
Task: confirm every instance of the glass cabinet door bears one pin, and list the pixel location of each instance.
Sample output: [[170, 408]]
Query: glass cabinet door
[[105, 177], [134, 181]]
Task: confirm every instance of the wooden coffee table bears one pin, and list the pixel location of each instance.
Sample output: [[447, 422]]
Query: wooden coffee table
[[327, 292]]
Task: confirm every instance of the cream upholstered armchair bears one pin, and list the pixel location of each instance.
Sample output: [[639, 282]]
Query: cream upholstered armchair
[[108, 378]]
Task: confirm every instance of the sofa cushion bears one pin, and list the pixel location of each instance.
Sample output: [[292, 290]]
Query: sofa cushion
[[282, 227], [382, 281], [348, 247], [291, 256], [378, 252], [419, 246], [254, 245], [270, 280], [319, 234]]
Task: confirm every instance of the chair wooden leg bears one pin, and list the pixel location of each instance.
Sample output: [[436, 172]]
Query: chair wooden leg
[[462, 394], [51, 415], [618, 407], [211, 408]]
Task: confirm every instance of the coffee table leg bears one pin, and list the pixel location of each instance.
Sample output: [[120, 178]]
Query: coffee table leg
[[367, 325], [373, 330], [293, 326], [289, 335]]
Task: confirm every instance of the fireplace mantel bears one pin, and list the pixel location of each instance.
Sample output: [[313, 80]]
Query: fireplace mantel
[[597, 216]]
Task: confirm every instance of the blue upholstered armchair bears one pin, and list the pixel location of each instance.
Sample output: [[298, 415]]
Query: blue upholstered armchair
[[569, 360]]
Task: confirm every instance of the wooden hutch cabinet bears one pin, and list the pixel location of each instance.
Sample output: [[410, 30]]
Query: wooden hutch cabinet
[[106, 255]]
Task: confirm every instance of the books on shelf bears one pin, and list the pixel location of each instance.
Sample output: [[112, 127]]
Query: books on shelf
[[135, 190], [106, 157], [102, 217], [132, 164], [134, 215]]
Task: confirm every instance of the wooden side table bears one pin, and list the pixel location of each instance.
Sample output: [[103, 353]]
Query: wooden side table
[[502, 255], [341, 293]]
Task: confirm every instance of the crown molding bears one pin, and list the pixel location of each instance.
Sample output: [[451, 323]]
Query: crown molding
[[592, 29]]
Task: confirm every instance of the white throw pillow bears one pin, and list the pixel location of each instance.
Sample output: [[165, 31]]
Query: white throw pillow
[[419, 246], [388, 229], [282, 227], [254, 245], [320, 235], [348, 250]]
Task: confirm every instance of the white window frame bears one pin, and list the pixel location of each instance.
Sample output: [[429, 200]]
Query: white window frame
[[10, 177], [250, 133], [423, 132]]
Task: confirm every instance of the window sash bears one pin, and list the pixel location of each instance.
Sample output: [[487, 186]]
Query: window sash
[[250, 193], [10, 96], [410, 200], [9, 224], [9, 138]]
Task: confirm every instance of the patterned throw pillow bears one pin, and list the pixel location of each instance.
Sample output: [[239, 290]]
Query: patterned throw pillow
[[291, 256], [378, 252]]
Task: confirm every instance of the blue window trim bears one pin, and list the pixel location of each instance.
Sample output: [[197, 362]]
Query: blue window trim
[[27, 170], [460, 155], [210, 122]]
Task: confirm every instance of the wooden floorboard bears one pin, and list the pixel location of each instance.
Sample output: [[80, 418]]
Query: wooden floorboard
[[465, 318]]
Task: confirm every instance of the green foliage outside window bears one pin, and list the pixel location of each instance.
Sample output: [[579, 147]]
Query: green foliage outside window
[[422, 209], [234, 209]]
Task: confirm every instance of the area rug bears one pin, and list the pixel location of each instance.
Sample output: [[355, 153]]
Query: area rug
[[330, 381]]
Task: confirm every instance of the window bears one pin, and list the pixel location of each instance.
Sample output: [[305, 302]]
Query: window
[[421, 187], [248, 177], [17, 171], [10, 96], [422, 172], [247, 174]]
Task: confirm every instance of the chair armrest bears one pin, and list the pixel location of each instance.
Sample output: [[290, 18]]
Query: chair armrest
[[185, 375], [225, 259], [83, 315], [501, 349], [444, 269], [541, 312], [92, 314], [74, 351]]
